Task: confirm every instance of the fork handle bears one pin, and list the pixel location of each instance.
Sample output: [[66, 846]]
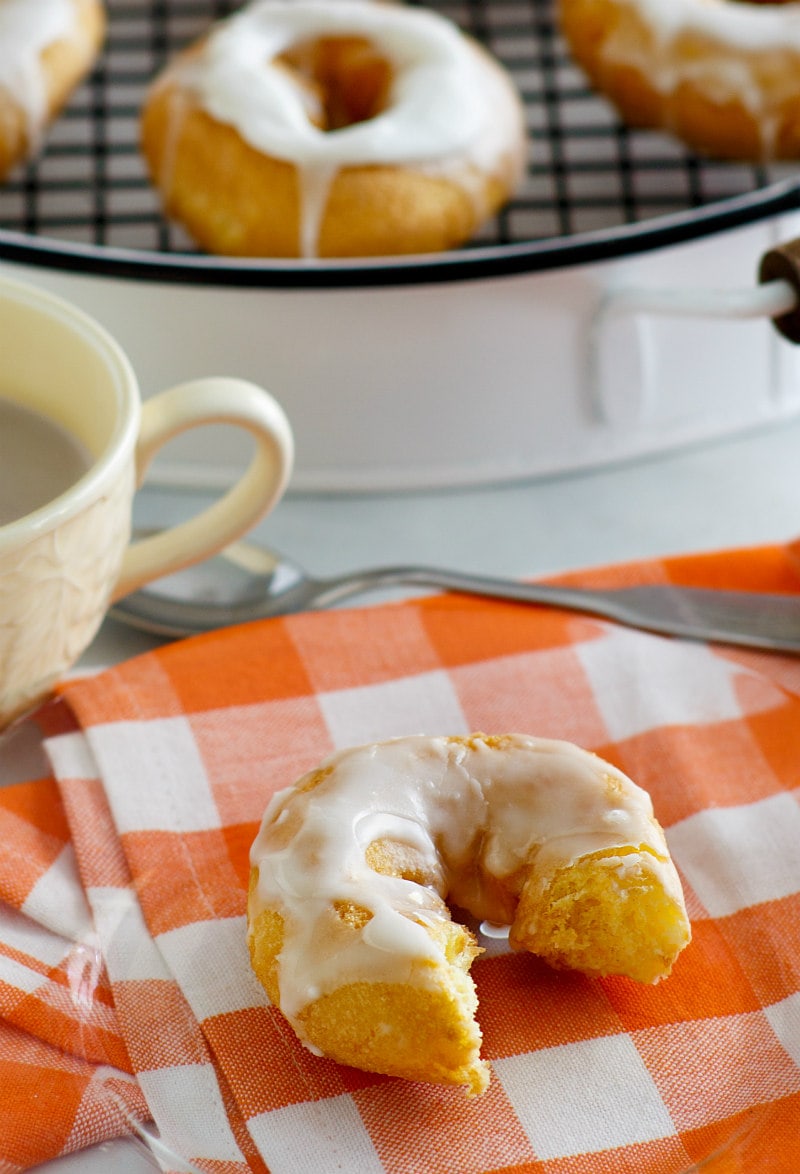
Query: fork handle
[[745, 619]]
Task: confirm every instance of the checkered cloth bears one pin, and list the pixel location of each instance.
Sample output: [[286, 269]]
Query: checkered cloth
[[126, 997]]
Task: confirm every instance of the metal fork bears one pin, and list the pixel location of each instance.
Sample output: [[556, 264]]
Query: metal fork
[[250, 582]]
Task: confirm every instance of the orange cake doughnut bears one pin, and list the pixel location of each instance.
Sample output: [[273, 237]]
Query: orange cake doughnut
[[348, 926], [46, 48], [723, 75], [355, 128]]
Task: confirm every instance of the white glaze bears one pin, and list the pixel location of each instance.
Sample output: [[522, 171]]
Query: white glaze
[[470, 809], [27, 28], [747, 27], [731, 67], [452, 110]]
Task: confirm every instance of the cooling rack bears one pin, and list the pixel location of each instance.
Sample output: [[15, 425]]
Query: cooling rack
[[593, 189]]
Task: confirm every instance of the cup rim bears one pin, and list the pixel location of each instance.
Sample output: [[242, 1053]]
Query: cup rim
[[123, 439]]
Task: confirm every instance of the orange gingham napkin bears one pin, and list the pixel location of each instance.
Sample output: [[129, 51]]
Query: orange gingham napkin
[[125, 991]]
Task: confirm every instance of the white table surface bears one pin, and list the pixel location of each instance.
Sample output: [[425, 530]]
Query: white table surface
[[738, 492]]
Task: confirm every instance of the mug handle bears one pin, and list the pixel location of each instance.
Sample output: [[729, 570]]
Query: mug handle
[[209, 401]]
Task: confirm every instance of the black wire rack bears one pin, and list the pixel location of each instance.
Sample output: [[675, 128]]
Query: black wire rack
[[590, 180]]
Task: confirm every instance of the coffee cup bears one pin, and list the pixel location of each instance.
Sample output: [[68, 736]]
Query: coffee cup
[[76, 439]]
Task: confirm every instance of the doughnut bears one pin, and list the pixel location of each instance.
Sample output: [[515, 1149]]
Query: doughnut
[[722, 75], [46, 48], [305, 128], [349, 929]]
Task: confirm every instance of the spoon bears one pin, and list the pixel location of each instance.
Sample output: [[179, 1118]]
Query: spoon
[[247, 582]]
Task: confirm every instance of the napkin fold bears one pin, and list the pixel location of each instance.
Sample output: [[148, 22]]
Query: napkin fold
[[127, 1003]]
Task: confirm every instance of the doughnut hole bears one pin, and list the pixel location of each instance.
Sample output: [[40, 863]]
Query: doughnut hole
[[485, 897], [472, 889], [604, 914], [351, 78]]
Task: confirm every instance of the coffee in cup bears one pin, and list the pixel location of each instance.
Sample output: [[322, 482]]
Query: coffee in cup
[[39, 460]]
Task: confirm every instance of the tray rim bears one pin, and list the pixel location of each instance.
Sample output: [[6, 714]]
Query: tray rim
[[466, 264]]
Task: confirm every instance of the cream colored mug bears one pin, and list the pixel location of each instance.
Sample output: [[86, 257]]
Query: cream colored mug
[[63, 562]]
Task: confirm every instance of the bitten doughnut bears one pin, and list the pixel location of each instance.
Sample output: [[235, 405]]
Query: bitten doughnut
[[46, 48], [723, 75], [310, 128], [348, 928]]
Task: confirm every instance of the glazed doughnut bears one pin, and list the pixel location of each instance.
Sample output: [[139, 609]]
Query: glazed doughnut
[[722, 75], [348, 928], [310, 128], [46, 48]]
